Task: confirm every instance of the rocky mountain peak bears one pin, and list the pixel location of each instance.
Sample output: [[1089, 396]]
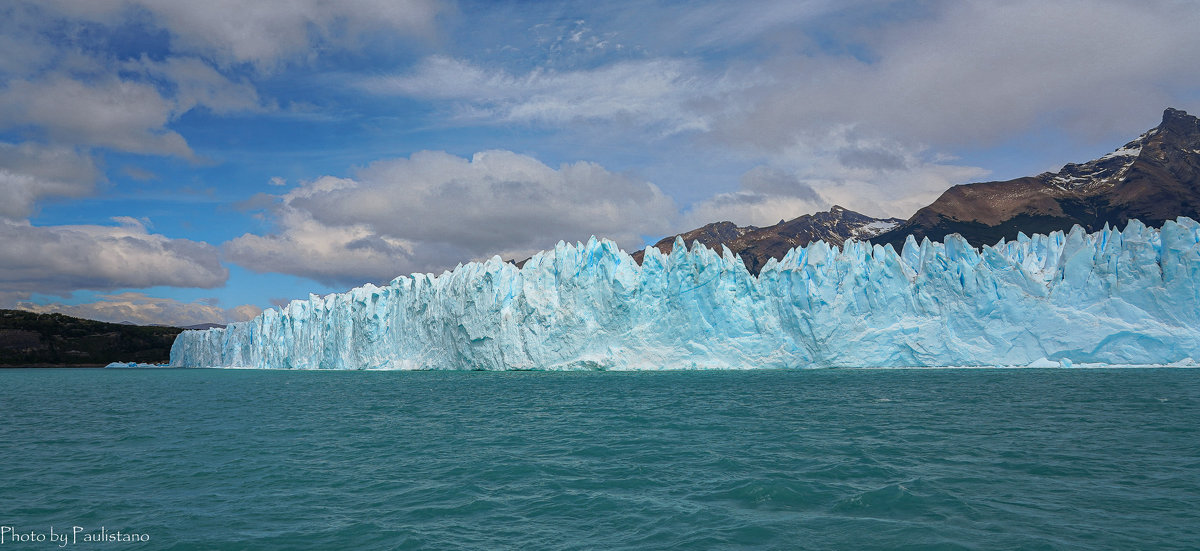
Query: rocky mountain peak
[[1171, 142], [757, 245], [1153, 178], [1178, 131], [1177, 120]]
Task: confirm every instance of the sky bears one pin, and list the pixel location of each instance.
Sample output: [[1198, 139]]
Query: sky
[[180, 163]]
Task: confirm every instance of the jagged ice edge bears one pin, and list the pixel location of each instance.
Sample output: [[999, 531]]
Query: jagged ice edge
[[1125, 297]]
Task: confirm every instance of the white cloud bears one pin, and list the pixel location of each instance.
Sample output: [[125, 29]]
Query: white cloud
[[31, 172], [348, 254], [139, 174], [869, 134], [23, 52], [766, 195], [263, 32], [110, 112], [432, 210], [747, 208], [874, 176], [196, 83], [60, 259], [775, 82], [131, 112], [141, 309], [975, 73], [864, 131], [655, 93], [64, 84]]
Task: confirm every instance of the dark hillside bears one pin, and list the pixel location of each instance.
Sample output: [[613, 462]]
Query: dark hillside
[[53, 340]]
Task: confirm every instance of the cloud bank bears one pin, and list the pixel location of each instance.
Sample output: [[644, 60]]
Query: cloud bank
[[140, 309], [655, 93], [264, 33], [60, 259], [860, 102], [81, 80], [433, 209]]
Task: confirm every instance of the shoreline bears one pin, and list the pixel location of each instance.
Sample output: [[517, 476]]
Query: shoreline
[[53, 366]]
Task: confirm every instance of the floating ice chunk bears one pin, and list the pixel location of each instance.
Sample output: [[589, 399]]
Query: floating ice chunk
[[1043, 362]]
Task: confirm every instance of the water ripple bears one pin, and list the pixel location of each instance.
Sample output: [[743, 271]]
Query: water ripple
[[972, 459]]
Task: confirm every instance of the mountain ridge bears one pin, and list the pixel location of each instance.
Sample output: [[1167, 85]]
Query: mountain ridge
[[1153, 178], [757, 245]]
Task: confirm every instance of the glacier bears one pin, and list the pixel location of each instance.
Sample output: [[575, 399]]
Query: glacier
[[1128, 297]]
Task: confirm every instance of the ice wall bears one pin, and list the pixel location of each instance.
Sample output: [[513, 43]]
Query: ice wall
[[1114, 297]]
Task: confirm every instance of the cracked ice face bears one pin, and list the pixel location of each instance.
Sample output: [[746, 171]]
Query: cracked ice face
[[1110, 297]]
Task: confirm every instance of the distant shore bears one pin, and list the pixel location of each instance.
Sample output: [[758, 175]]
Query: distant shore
[[28, 339], [50, 366]]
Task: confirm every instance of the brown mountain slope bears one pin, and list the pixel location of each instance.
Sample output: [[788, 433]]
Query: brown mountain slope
[[1153, 178], [756, 245]]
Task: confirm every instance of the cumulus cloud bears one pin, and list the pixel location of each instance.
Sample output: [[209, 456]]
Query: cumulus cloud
[[141, 309], [946, 74], [30, 172], [65, 84], [773, 83], [765, 196], [978, 72], [334, 255], [195, 83], [868, 132], [747, 208], [858, 113], [876, 177], [871, 174], [766, 180], [433, 209], [70, 91], [109, 112], [126, 106], [60, 259], [264, 32]]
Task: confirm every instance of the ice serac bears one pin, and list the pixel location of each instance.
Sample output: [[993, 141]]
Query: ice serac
[[1110, 297]]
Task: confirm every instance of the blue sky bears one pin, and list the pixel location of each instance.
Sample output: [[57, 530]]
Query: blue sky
[[187, 162]]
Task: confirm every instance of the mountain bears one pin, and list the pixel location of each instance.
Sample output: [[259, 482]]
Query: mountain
[[39, 340], [757, 245], [202, 326], [1153, 178]]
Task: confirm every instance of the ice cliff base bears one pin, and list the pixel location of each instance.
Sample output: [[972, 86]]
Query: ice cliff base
[[1110, 297]]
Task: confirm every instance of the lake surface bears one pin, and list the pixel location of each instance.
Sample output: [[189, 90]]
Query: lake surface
[[818, 459]]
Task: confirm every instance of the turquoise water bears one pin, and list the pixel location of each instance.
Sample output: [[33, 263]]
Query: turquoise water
[[821, 459]]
